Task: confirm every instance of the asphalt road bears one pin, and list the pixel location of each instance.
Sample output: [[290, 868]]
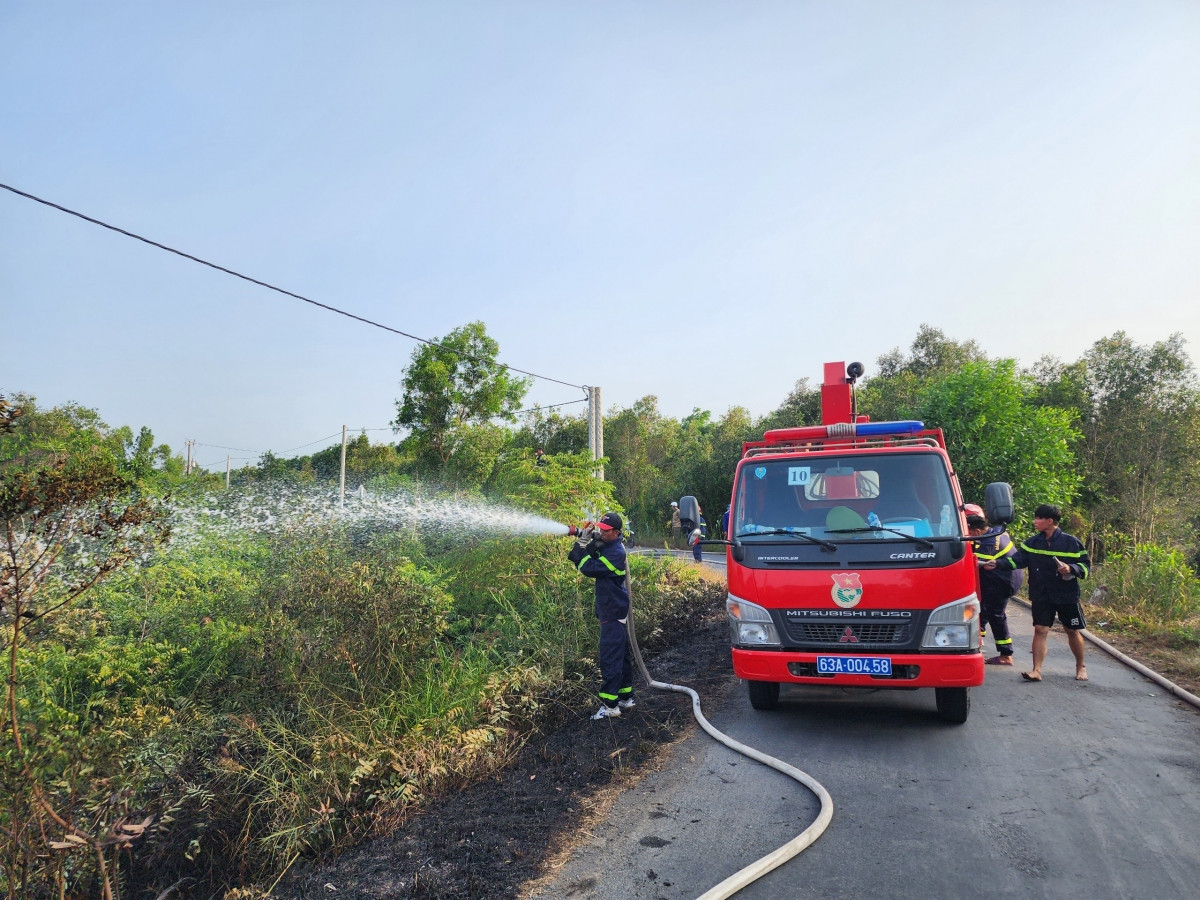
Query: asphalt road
[[1058, 789]]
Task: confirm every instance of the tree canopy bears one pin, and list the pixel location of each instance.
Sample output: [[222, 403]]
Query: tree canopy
[[453, 389]]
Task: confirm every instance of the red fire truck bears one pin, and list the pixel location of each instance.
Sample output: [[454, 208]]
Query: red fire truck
[[848, 559]]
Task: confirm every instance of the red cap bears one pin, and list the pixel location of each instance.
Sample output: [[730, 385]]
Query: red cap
[[609, 521], [973, 509]]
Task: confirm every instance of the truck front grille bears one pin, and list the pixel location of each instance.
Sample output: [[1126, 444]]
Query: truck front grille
[[843, 636]]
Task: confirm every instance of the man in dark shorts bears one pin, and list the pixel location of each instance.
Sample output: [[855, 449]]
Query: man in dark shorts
[[1056, 561]]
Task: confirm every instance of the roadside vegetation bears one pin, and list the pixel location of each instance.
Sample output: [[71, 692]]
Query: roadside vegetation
[[203, 710]]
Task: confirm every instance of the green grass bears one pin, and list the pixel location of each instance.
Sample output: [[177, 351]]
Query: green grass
[[265, 699]]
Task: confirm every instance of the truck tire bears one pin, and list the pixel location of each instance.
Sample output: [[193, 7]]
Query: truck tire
[[763, 694], [953, 704]]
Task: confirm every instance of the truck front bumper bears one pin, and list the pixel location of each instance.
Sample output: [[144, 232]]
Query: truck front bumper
[[909, 670]]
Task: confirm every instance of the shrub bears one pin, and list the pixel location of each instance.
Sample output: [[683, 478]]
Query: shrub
[[1151, 583]]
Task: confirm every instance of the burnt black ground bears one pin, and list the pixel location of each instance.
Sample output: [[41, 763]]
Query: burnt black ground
[[489, 839]]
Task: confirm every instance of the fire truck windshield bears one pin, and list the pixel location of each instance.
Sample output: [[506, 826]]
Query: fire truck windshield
[[868, 496]]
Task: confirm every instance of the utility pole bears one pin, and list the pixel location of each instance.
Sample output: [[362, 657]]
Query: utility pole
[[227, 472], [187, 468], [596, 427], [342, 489]]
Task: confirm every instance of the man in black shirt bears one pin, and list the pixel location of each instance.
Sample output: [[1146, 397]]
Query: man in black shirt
[[600, 554], [1056, 561]]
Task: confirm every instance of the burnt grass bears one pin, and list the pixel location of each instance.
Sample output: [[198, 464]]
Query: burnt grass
[[487, 840]]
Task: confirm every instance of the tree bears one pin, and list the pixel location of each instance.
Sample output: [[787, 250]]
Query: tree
[[450, 385], [931, 353], [894, 391], [709, 453], [996, 431], [1141, 438], [552, 431], [641, 443], [8, 416], [564, 488], [801, 407], [473, 452], [69, 517]]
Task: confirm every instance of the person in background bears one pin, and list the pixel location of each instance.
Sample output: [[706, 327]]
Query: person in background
[[725, 522], [694, 540], [600, 554], [996, 586], [539, 458], [676, 527], [1056, 561]]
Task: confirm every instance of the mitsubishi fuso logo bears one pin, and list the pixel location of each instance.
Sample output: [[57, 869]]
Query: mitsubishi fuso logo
[[847, 637]]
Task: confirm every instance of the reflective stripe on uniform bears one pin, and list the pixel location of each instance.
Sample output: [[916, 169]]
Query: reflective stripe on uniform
[[1028, 549], [611, 567], [1062, 553], [1000, 551], [620, 573]]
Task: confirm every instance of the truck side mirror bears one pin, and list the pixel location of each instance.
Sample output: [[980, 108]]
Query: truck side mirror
[[998, 503]]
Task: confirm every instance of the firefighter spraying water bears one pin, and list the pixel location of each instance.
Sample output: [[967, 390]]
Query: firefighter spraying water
[[599, 553]]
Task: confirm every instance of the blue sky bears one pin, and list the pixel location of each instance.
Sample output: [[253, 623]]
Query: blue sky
[[700, 201]]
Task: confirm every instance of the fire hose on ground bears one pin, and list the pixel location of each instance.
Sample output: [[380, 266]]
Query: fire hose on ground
[[792, 848]]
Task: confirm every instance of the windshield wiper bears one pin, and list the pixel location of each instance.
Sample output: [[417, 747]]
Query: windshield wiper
[[828, 546], [928, 545]]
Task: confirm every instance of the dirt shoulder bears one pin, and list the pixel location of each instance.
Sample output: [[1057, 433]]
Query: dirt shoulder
[[1175, 660]]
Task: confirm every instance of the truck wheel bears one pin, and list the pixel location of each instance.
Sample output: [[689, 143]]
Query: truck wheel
[[763, 694], [953, 704]]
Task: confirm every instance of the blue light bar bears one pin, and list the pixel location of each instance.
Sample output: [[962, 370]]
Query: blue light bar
[[869, 429]]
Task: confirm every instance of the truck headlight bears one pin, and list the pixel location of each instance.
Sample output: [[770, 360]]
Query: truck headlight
[[954, 626], [750, 625]]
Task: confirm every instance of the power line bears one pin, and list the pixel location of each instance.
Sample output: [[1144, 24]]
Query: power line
[[310, 443], [268, 286], [551, 406], [219, 447], [220, 462]]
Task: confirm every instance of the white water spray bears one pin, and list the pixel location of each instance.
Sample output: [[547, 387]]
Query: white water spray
[[272, 510]]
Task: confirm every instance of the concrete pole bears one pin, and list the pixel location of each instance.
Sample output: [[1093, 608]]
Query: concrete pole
[[596, 427], [227, 472], [187, 468], [342, 488]]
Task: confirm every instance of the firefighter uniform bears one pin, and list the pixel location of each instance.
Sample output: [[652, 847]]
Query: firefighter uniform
[[996, 586], [605, 562], [1050, 594]]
